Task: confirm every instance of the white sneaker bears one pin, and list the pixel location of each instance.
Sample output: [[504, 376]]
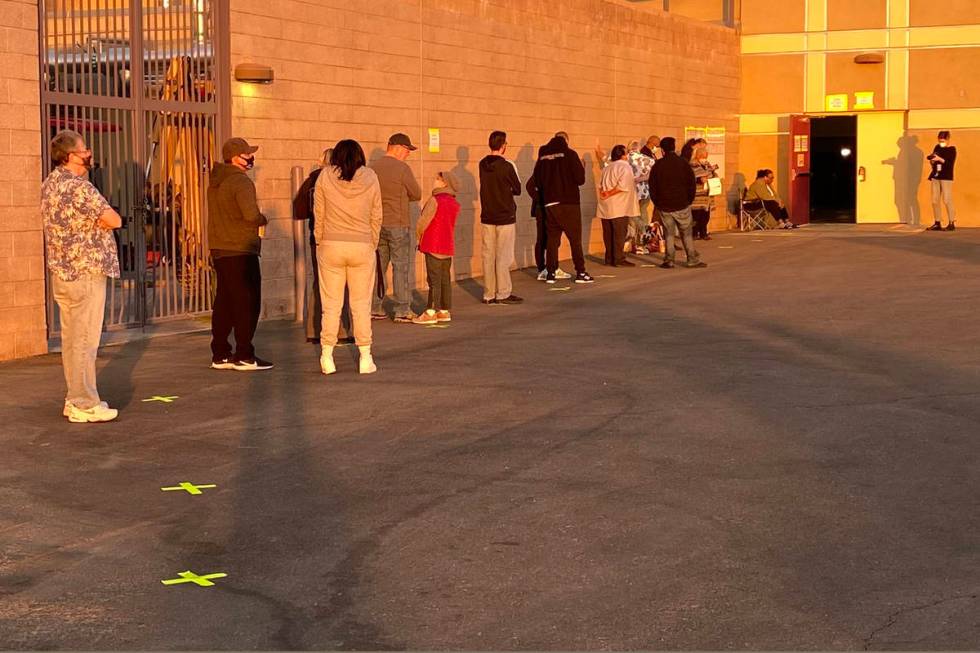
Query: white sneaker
[[366, 363], [542, 275], [68, 406], [327, 365], [561, 274], [100, 413]]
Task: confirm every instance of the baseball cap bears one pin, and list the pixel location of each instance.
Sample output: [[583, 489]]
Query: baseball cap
[[401, 139], [236, 146]]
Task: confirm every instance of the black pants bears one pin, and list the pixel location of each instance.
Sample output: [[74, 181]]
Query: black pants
[[541, 242], [567, 219], [701, 218], [614, 232], [776, 211], [438, 274], [237, 303]]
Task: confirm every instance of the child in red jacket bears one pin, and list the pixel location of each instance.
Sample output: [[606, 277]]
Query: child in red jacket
[[435, 230]]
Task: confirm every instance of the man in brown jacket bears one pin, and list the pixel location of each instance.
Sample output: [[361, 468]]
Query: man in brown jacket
[[398, 189], [233, 236]]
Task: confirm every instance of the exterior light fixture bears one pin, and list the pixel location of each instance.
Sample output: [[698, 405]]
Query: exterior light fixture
[[254, 73], [870, 58], [845, 152]]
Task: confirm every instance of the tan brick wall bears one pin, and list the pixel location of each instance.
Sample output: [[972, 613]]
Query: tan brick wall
[[603, 70], [22, 307]]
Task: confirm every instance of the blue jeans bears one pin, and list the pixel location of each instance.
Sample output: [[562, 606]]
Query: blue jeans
[[395, 247]]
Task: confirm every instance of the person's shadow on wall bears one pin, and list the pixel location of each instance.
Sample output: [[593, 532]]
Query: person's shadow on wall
[[527, 230], [467, 225], [907, 175], [734, 197]]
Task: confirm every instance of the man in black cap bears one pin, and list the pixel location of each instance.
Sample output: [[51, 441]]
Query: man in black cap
[[398, 188], [234, 220]]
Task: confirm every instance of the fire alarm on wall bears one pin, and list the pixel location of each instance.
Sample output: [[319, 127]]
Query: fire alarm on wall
[[254, 73]]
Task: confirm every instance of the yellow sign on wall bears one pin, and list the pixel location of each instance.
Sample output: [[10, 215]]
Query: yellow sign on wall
[[837, 102], [434, 140], [864, 100]]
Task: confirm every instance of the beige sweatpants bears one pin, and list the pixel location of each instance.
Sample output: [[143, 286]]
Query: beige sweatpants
[[341, 263]]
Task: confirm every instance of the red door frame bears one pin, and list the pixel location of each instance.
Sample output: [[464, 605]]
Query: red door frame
[[799, 169]]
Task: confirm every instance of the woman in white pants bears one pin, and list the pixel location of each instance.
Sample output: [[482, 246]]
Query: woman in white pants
[[347, 207]]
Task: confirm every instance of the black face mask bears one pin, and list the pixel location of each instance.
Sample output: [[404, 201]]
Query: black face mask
[[87, 161], [249, 162]]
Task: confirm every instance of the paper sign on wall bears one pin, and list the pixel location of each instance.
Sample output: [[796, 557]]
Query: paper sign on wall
[[837, 102], [864, 100], [433, 139]]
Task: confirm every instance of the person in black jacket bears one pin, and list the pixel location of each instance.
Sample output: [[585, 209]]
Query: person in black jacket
[[558, 174], [942, 160], [499, 185], [672, 189]]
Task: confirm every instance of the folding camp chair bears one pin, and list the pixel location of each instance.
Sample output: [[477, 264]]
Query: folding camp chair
[[752, 214]]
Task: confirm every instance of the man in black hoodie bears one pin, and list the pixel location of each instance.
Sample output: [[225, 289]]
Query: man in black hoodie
[[672, 189], [234, 220], [558, 174], [499, 184]]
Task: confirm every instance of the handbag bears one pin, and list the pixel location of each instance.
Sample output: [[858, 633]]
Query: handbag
[[714, 186]]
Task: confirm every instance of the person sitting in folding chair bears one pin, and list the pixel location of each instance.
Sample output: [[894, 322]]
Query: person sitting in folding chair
[[762, 190]]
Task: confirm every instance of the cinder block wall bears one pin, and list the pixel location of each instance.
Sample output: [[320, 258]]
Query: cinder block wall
[[605, 71], [22, 308]]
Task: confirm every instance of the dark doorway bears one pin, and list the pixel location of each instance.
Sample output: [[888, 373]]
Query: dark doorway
[[833, 169]]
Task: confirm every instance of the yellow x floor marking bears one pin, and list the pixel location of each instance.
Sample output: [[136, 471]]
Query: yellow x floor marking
[[189, 487], [566, 288], [437, 326], [191, 577], [169, 399]]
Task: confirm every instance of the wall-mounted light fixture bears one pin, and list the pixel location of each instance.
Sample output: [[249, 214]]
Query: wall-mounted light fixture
[[870, 58], [254, 73]]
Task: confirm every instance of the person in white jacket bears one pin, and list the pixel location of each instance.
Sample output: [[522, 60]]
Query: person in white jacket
[[618, 204], [347, 207]]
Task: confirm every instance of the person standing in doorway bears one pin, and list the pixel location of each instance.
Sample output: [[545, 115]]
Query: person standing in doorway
[[499, 185], [398, 190], [617, 205], [81, 257], [942, 160], [672, 188], [234, 220], [558, 174]]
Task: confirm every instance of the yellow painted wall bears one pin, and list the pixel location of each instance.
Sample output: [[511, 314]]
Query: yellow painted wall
[[943, 12], [860, 14], [772, 83], [944, 78], [773, 16], [845, 76]]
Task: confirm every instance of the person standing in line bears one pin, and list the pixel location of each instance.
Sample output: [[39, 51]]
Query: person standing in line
[[541, 236], [942, 160], [652, 147], [349, 214], [81, 257], [558, 174], [617, 205], [234, 220], [398, 190], [436, 233], [703, 201], [642, 165], [499, 185], [672, 188]]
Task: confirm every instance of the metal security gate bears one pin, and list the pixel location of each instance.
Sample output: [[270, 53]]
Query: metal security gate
[[140, 80]]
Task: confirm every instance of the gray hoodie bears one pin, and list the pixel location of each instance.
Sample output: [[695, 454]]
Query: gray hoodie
[[233, 212], [349, 211]]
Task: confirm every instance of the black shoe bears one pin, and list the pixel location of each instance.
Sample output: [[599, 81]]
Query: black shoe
[[584, 277], [935, 227], [313, 341], [550, 278], [699, 264], [513, 299], [222, 363], [488, 302], [950, 227], [626, 264], [346, 340], [667, 265], [252, 365]]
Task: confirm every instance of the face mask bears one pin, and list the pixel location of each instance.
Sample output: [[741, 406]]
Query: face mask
[[942, 143], [86, 161], [249, 162]]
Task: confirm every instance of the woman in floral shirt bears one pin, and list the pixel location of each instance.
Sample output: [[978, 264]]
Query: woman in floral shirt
[[81, 256]]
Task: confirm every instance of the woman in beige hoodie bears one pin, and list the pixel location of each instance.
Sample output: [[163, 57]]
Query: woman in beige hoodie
[[347, 207]]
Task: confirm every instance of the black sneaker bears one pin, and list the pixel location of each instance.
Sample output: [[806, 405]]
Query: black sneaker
[[666, 265], [950, 227], [626, 264], [252, 365], [584, 277], [550, 278], [513, 299], [489, 302], [935, 227], [699, 264], [222, 364]]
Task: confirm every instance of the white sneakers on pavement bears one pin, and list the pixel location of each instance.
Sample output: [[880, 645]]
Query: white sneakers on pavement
[[100, 413]]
